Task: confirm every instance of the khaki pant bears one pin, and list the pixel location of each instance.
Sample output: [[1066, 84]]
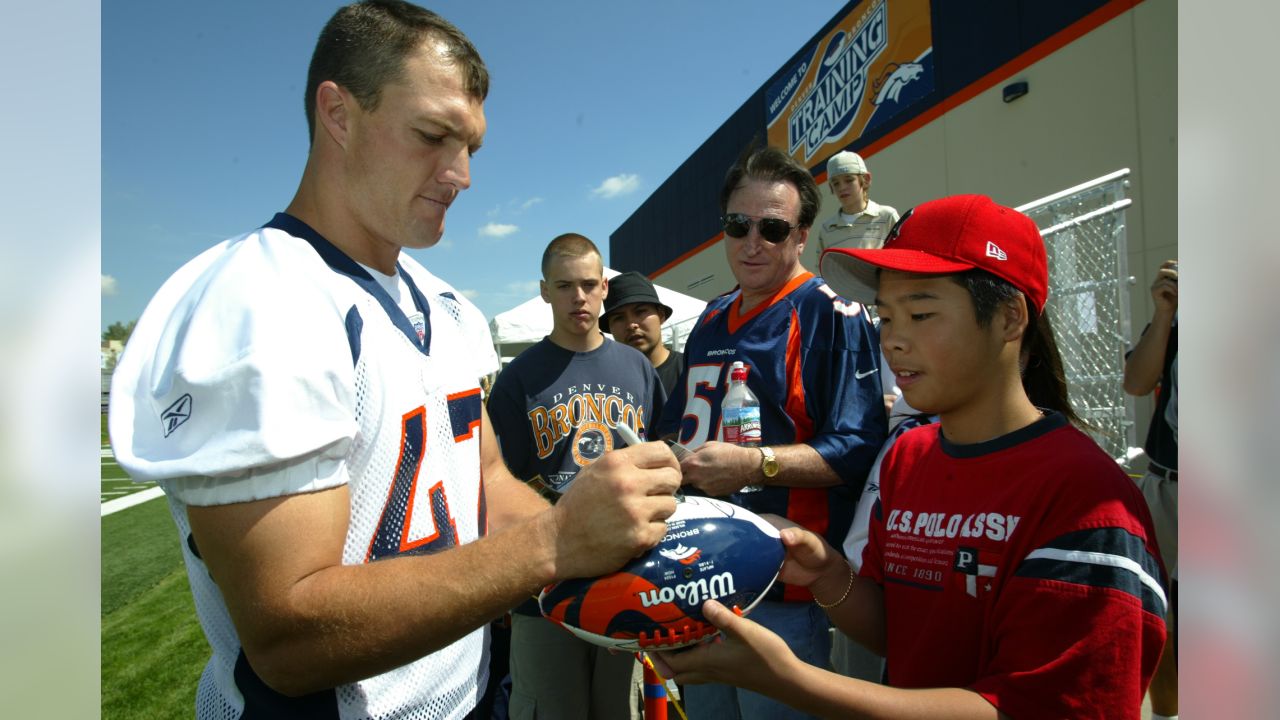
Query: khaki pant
[[1161, 495], [556, 676]]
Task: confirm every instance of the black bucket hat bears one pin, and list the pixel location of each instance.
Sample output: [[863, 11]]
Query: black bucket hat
[[630, 287]]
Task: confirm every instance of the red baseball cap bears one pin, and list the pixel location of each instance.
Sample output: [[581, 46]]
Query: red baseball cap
[[946, 236]]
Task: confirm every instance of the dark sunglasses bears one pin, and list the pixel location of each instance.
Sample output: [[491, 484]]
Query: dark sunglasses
[[737, 225]]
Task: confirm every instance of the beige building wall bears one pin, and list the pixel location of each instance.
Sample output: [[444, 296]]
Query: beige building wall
[[1104, 102]]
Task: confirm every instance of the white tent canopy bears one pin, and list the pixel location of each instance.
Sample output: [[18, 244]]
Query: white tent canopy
[[530, 321]]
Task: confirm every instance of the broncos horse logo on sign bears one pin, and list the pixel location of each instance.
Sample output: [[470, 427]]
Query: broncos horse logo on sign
[[895, 77]]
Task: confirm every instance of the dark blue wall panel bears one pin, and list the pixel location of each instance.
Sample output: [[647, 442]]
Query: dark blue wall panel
[[970, 39]]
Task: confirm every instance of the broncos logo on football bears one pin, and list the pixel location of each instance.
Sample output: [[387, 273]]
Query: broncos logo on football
[[682, 554]]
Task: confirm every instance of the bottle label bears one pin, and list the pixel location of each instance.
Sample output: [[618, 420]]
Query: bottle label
[[741, 426]]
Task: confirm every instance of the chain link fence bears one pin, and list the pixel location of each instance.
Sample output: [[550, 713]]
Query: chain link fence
[[1084, 233]]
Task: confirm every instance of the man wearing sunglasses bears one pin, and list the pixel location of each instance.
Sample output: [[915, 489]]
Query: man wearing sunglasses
[[813, 362]]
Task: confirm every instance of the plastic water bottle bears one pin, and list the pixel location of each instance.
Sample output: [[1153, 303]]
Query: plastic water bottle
[[740, 414]]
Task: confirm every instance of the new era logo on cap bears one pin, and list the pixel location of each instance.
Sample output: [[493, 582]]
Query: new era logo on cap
[[994, 251]]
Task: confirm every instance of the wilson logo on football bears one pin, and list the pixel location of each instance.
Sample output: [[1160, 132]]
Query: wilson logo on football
[[691, 593], [682, 554]]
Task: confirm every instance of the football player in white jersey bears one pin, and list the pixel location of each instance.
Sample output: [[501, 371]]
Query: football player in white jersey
[[308, 397]]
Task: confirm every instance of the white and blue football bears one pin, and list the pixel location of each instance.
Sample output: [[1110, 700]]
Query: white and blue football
[[712, 550]]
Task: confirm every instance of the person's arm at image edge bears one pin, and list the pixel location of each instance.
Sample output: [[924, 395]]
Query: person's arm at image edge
[[1145, 364]]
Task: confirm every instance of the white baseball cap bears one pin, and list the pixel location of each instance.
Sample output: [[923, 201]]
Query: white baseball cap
[[846, 163]]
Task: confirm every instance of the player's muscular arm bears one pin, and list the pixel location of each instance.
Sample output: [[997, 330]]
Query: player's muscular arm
[[308, 623], [719, 468]]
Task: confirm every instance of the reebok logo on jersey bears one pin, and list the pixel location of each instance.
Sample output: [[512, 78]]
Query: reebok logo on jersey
[[994, 251], [176, 414]]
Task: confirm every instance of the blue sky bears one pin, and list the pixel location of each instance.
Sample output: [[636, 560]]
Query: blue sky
[[592, 105]]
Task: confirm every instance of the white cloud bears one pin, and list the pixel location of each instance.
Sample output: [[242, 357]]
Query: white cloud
[[617, 185], [108, 285], [524, 287], [470, 294], [497, 230], [530, 203]]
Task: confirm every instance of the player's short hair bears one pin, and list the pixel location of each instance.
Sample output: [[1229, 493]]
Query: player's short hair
[[773, 165], [364, 45], [568, 245], [1043, 377]]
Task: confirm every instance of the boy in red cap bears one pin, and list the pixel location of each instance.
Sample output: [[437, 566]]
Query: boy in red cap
[[1011, 569]]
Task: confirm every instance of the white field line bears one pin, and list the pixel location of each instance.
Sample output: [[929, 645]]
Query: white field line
[[129, 501]]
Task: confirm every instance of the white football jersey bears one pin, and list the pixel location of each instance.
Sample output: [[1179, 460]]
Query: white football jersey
[[272, 364]]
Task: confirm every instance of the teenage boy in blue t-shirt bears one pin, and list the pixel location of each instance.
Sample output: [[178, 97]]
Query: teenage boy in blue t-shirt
[[555, 410]]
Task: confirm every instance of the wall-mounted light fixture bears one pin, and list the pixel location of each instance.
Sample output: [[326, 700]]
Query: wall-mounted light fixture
[[1013, 91]]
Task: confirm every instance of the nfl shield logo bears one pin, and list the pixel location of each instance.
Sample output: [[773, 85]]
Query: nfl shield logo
[[419, 326]]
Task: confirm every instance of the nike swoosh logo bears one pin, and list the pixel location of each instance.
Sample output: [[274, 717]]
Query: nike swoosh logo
[[860, 375]]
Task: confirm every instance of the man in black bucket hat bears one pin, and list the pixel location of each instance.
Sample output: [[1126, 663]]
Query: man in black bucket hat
[[633, 314]]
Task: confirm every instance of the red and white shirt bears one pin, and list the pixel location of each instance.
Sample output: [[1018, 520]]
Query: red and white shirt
[[1023, 568]]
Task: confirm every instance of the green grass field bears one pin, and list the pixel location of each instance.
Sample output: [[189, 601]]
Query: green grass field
[[115, 482], [152, 647]]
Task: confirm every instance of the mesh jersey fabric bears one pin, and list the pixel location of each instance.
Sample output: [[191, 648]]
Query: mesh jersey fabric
[[294, 363]]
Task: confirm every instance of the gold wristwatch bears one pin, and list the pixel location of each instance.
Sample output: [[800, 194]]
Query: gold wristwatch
[[768, 462]]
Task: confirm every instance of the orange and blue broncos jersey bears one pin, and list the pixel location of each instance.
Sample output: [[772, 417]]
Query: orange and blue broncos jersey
[[813, 363]]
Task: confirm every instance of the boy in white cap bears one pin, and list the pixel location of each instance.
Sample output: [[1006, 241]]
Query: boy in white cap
[[1011, 569], [861, 222]]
